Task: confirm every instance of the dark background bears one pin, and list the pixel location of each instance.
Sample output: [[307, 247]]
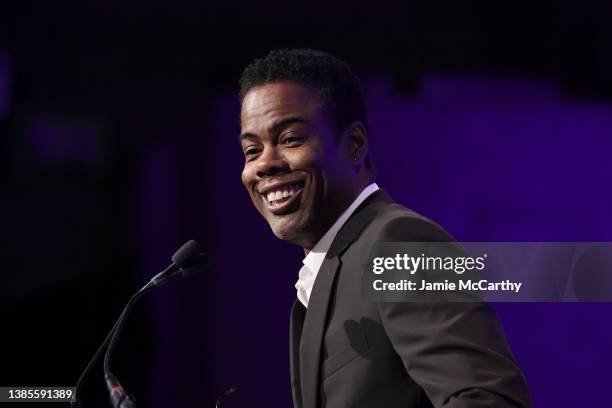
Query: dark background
[[119, 126]]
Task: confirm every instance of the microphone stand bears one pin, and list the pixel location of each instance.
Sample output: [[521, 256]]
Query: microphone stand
[[118, 395], [75, 403], [111, 341], [186, 261]]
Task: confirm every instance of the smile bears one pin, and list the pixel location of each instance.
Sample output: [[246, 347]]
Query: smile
[[281, 199]]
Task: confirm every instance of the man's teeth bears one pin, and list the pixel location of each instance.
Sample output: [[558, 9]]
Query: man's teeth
[[285, 192]]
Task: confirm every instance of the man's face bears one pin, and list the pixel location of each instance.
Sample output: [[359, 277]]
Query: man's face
[[299, 176]]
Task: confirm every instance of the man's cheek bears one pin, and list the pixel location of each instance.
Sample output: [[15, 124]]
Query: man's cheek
[[244, 177], [310, 163]]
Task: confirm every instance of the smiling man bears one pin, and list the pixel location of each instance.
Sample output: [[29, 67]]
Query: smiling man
[[308, 171]]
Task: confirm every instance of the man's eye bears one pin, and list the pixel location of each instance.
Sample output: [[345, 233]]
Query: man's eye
[[292, 140], [250, 152]]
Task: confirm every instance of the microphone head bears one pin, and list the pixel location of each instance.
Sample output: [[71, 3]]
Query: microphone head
[[185, 256], [199, 264]]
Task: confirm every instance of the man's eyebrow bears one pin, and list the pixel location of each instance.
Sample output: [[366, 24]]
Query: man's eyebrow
[[275, 127], [283, 123], [247, 135]]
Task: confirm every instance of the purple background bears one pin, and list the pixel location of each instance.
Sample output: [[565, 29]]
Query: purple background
[[119, 133]]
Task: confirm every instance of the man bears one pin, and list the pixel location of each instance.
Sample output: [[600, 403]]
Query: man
[[308, 171]]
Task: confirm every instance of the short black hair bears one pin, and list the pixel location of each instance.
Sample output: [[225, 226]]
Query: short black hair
[[340, 89]]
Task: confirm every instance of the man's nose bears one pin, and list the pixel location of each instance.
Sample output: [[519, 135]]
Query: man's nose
[[270, 163]]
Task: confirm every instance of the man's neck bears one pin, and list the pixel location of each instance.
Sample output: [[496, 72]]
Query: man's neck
[[332, 220]]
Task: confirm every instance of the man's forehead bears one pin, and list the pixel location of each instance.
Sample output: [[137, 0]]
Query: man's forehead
[[269, 101]]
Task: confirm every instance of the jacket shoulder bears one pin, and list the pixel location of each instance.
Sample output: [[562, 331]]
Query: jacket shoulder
[[395, 223]]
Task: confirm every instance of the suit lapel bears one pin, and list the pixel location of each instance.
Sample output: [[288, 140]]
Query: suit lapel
[[314, 324], [295, 327], [309, 365]]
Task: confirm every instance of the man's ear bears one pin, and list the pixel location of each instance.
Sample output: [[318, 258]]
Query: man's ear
[[356, 141]]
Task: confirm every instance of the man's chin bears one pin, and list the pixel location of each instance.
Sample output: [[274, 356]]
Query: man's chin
[[288, 228], [285, 232]]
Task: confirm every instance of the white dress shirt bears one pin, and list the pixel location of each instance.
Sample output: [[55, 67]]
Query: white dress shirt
[[314, 259]]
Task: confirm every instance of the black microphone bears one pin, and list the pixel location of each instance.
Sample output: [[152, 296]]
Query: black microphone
[[187, 261]]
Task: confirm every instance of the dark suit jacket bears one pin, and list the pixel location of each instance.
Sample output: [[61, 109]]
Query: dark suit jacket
[[347, 351]]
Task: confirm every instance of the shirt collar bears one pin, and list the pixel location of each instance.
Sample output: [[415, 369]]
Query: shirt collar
[[315, 257]]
